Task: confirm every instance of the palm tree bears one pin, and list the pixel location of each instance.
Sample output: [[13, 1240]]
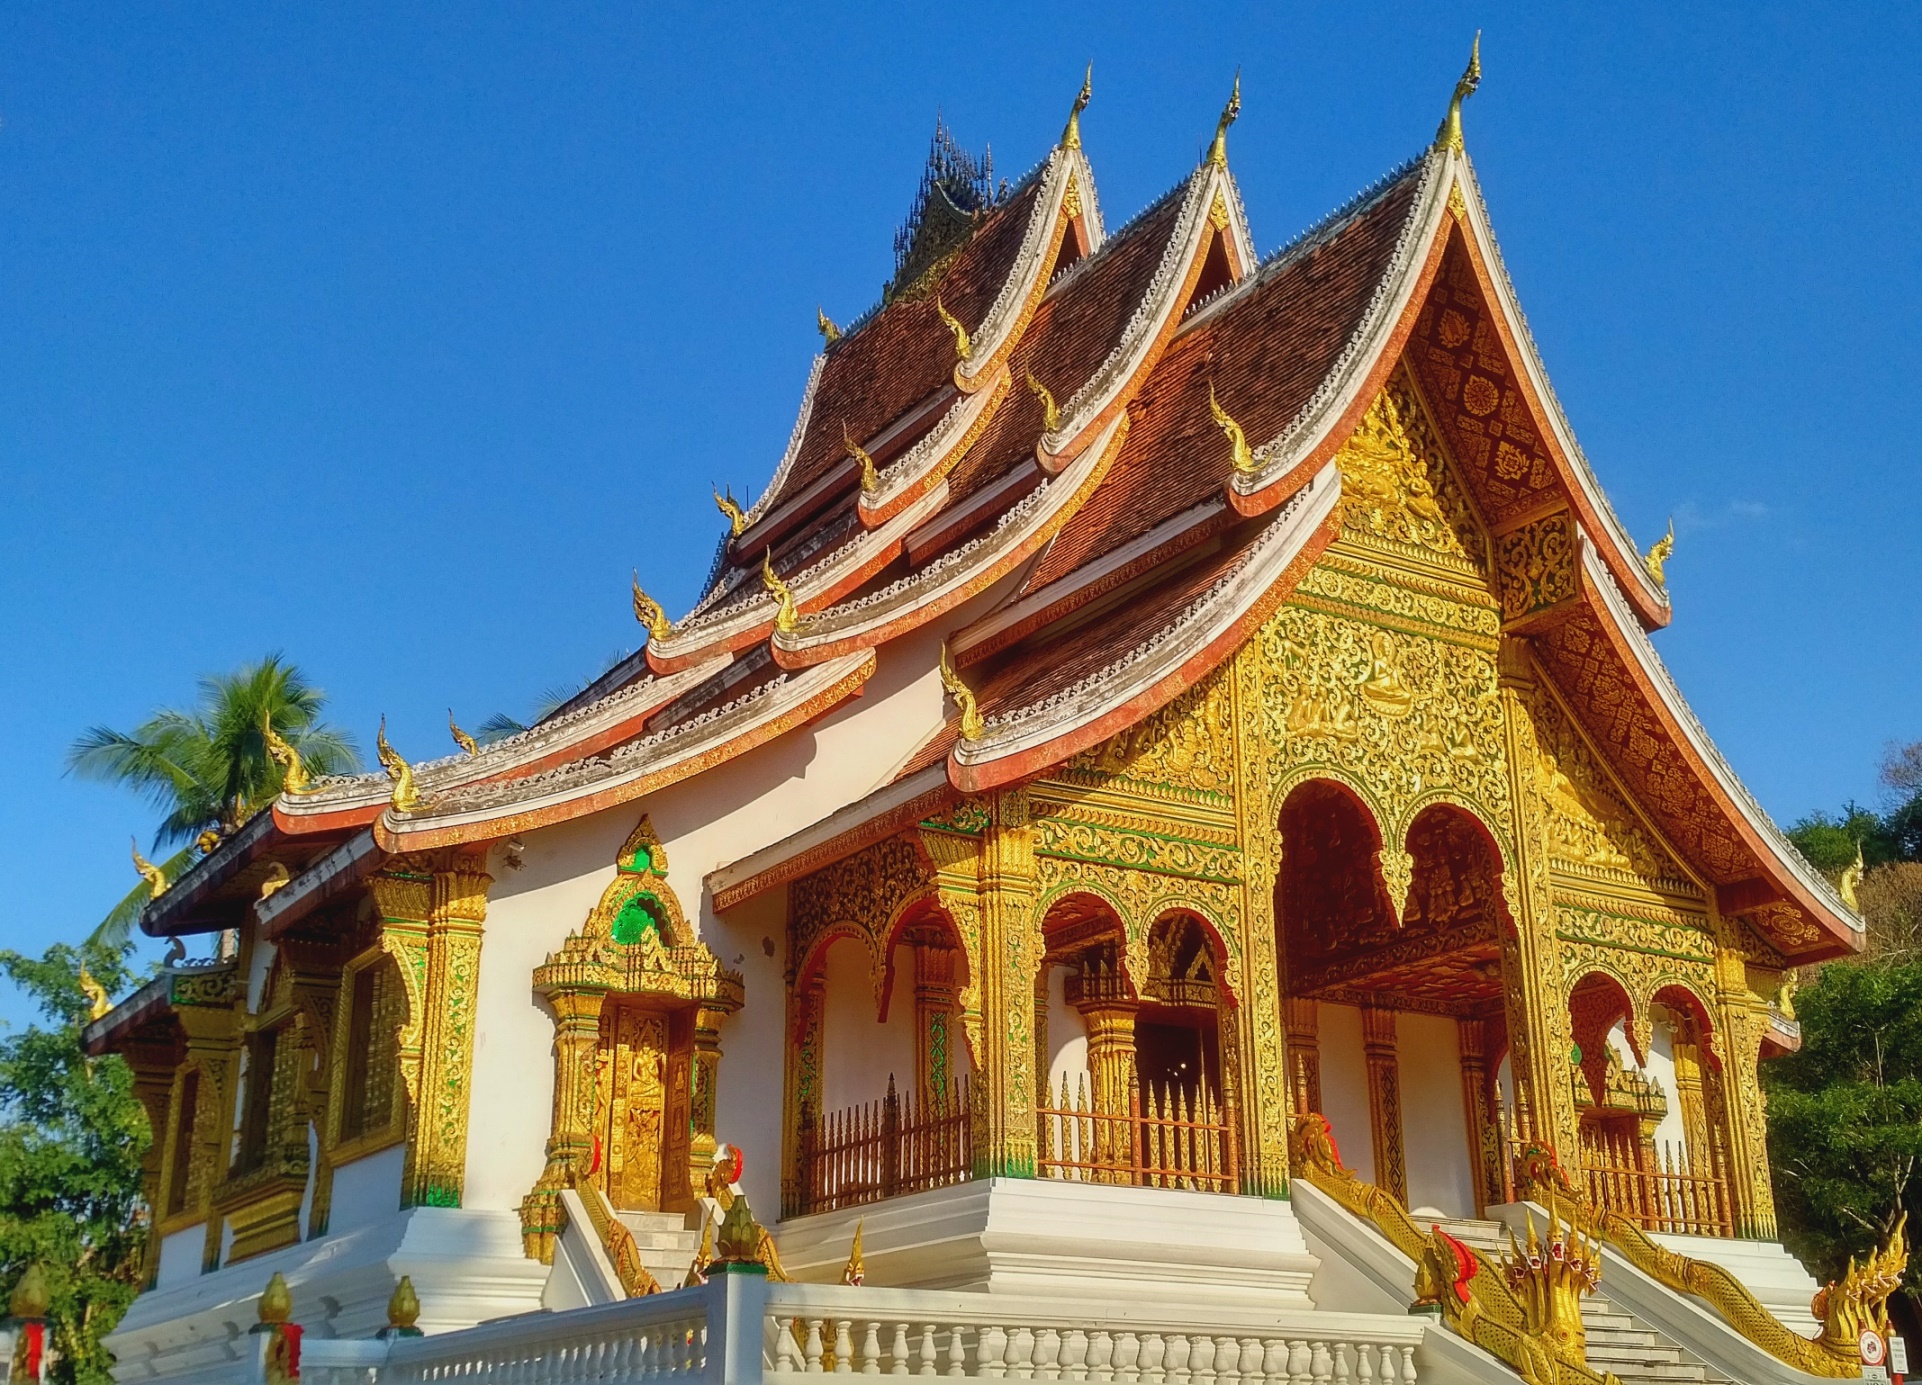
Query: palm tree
[[208, 769]]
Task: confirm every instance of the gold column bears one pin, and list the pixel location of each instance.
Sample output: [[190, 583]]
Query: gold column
[[577, 1037], [707, 1076], [213, 1046], [1534, 989], [153, 1066], [1263, 1094], [1111, 1075], [934, 994], [802, 1089], [403, 895], [1303, 1020], [1744, 1020], [1384, 1101], [1484, 1137], [459, 906], [1011, 952]]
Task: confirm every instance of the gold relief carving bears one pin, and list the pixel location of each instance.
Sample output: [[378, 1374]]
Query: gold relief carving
[[1396, 486], [1341, 585], [1263, 1055], [1190, 743], [1130, 845], [859, 897], [1537, 565]]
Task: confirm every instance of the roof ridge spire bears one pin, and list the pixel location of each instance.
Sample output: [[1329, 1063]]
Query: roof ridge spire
[[1218, 151], [1071, 136], [1449, 137]]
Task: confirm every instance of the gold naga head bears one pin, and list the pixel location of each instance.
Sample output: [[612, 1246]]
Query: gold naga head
[[649, 613], [293, 775], [963, 345], [972, 723], [1244, 456], [1860, 1299], [736, 520], [856, 1270], [405, 798], [1656, 563], [1050, 411], [98, 1001], [788, 616], [1449, 137], [829, 332], [870, 473], [1230, 113], [1071, 136], [1549, 1276], [155, 877], [466, 742]]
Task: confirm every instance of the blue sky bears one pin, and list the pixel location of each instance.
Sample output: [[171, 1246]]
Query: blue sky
[[393, 337]]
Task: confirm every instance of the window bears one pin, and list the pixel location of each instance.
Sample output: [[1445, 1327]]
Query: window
[[374, 1004], [263, 1051], [183, 1143]]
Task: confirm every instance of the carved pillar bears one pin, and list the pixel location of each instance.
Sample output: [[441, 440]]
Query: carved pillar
[[153, 1066], [1303, 1020], [403, 895], [1011, 952], [934, 995], [1042, 1096], [1111, 1074], [458, 908], [1384, 1101], [1484, 1137], [805, 1012], [1263, 1094], [577, 1036], [208, 1008], [707, 1075], [1534, 989], [1688, 1094], [1744, 1021]]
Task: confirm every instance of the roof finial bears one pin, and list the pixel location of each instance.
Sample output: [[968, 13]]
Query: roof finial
[[648, 612], [870, 474], [1851, 877], [155, 877], [1071, 137], [466, 742], [1244, 456], [1050, 411], [1657, 560], [405, 798], [293, 777], [736, 521], [829, 332], [788, 616], [963, 347], [1449, 137], [1218, 151], [964, 699]]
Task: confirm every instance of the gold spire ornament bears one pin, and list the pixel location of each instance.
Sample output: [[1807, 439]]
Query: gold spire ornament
[[649, 613], [870, 473], [293, 775], [736, 521], [155, 877], [461, 738], [963, 347], [1448, 138], [98, 1002], [31, 1296], [1230, 113], [403, 1309], [1071, 136], [1656, 563], [788, 616], [1050, 411], [740, 1238], [404, 797], [1245, 464], [276, 1303], [971, 722], [829, 332]]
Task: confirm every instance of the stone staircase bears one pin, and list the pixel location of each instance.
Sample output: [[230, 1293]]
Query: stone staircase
[[1617, 1342], [667, 1242]]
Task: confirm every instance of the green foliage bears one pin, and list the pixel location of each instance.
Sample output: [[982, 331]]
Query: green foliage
[[1845, 1113], [1831, 841], [72, 1136], [208, 767]]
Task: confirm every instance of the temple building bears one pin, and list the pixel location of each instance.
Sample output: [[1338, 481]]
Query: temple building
[[1164, 834]]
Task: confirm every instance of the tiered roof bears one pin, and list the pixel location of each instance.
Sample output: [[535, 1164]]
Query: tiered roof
[[1034, 405]]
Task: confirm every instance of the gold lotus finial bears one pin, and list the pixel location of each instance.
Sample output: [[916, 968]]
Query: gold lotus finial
[[98, 1002], [649, 613], [293, 775], [404, 797], [1850, 878], [403, 1305], [963, 695], [788, 616], [855, 1271], [963, 347], [1245, 464], [1218, 151], [461, 738], [277, 1302], [1656, 562], [829, 332], [31, 1297], [736, 521], [870, 474], [1050, 411], [1071, 137], [155, 877], [1449, 136], [740, 1239]]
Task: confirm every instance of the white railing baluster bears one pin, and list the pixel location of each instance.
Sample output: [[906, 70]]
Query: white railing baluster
[[813, 1349], [927, 1348], [898, 1351], [1074, 1355], [990, 1344], [871, 1349], [1154, 1350], [843, 1347], [957, 1353]]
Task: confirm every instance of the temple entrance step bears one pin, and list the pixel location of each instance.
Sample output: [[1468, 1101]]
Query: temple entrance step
[[666, 1242], [1636, 1354], [1489, 1237]]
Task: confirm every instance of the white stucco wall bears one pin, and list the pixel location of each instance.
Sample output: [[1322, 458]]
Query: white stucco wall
[[1434, 1117], [1067, 1037], [366, 1190], [1672, 1132], [860, 1053], [1344, 1086], [180, 1256]]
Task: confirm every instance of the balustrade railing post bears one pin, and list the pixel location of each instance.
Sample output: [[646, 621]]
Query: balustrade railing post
[[890, 1141], [736, 1318], [1134, 1132]]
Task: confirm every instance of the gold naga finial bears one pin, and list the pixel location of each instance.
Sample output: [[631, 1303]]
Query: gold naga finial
[[855, 1271], [1050, 411], [1449, 137], [155, 877], [277, 878], [1218, 151], [404, 798], [1071, 136], [1850, 878], [1656, 563], [788, 616], [293, 774], [963, 695], [1245, 464], [649, 613], [98, 1001], [736, 521], [870, 473], [963, 347], [829, 332], [461, 738]]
